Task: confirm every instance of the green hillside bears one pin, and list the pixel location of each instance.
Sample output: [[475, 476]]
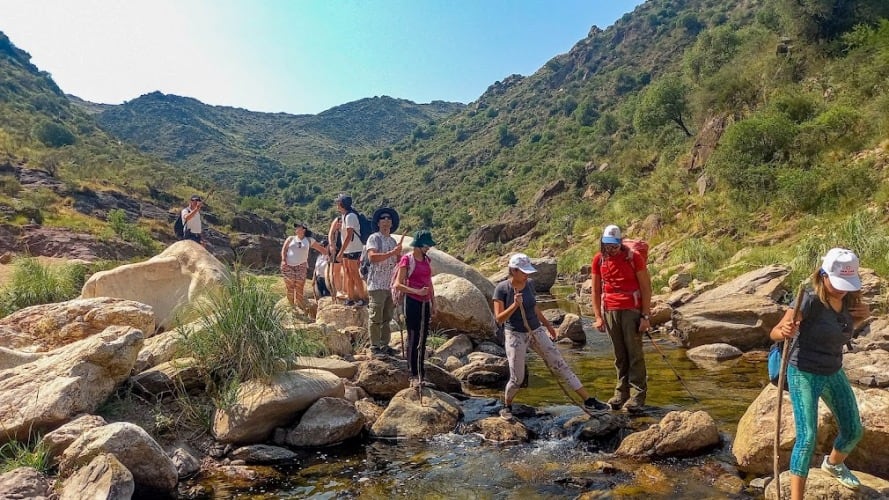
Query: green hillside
[[729, 134], [41, 129], [264, 154]]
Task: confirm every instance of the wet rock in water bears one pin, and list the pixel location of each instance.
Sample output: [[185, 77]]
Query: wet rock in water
[[328, 421], [499, 429], [572, 329], [418, 414], [262, 454], [483, 378], [712, 356], [481, 362], [185, 462], [679, 433], [103, 477], [601, 426]]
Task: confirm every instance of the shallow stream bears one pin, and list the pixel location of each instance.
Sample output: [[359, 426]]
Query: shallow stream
[[464, 466]]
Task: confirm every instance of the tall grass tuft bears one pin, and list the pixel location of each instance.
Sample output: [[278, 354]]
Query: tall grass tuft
[[34, 283], [15, 454], [241, 335]]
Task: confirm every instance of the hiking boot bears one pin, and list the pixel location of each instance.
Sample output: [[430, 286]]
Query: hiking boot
[[617, 401], [426, 383], [349, 303], [506, 414], [377, 352], [634, 405], [841, 473], [592, 403], [389, 351], [360, 303]]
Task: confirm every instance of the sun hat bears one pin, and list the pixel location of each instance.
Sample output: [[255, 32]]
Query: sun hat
[[344, 199], [423, 238], [304, 226], [841, 267], [611, 235], [196, 198], [522, 262], [385, 211]]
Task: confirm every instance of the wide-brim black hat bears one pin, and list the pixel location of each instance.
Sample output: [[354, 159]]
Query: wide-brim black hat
[[385, 210]]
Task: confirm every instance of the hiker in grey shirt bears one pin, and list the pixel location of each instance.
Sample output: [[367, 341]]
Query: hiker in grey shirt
[[383, 253]]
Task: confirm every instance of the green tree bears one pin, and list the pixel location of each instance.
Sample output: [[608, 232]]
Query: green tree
[[54, 134], [820, 20], [586, 113], [665, 101]]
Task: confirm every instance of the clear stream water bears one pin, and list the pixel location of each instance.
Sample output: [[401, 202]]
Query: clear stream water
[[464, 466]]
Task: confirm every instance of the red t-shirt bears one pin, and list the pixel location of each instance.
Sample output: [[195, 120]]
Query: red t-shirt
[[619, 283]]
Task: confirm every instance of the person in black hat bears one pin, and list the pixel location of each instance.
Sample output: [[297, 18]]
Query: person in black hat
[[383, 254], [415, 282], [191, 220], [295, 262]]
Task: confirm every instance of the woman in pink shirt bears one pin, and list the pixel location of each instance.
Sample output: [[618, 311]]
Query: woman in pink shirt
[[415, 281]]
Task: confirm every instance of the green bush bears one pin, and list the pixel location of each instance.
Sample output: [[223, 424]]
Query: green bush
[[54, 134], [15, 454], [33, 283], [240, 335], [117, 221]]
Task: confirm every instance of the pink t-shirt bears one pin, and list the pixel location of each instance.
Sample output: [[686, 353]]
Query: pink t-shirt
[[422, 276]]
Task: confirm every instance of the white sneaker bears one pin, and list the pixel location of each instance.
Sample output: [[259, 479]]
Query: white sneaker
[[841, 473]]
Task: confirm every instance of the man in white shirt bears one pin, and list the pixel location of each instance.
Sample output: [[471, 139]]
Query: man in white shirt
[[383, 253], [350, 233], [191, 220]]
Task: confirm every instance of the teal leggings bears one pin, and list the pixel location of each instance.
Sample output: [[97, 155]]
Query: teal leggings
[[805, 388]]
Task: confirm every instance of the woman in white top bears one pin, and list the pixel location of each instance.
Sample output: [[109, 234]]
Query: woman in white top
[[295, 262]]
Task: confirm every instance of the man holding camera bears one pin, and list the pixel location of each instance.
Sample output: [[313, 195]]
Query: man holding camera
[[191, 220]]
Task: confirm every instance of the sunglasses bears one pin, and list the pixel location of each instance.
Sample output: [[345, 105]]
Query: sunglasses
[[385, 217]]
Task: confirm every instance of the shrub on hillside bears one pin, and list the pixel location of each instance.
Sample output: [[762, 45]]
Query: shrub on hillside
[[34, 283], [54, 134]]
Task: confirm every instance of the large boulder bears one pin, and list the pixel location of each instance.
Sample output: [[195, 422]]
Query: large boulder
[[328, 421], [443, 263], [458, 346], [768, 282], [679, 433], [24, 482], [462, 307], [543, 279], [103, 477], [10, 358], [755, 436], [259, 407], [340, 316], [868, 368], [820, 484], [741, 320], [418, 414], [181, 374], [167, 281], [132, 446], [383, 379], [338, 367], [41, 395], [46, 327]]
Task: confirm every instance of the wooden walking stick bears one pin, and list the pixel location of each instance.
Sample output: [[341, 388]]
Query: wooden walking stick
[[782, 373]]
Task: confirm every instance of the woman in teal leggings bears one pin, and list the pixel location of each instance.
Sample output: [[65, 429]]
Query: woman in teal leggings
[[830, 313]]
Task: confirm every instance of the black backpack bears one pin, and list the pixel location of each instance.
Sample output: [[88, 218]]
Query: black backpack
[[365, 225], [179, 228]]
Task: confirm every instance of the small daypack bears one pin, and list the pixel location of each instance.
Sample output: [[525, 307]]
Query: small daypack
[[398, 295], [179, 227], [364, 260]]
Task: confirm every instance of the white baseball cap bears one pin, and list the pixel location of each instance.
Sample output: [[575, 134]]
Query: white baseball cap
[[522, 262], [611, 235], [841, 267]]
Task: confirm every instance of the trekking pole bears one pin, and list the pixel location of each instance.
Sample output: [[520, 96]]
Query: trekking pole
[[420, 351], [664, 356], [551, 372], [782, 373]]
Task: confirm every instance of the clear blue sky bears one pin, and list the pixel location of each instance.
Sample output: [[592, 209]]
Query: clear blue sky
[[296, 56]]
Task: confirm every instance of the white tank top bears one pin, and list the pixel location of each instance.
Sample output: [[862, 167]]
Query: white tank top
[[298, 251]]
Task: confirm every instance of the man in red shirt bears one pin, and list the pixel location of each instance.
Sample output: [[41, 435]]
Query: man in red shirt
[[622, 303]]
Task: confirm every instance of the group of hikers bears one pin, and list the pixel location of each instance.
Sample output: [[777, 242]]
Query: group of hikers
[[824, 322]]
